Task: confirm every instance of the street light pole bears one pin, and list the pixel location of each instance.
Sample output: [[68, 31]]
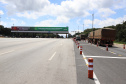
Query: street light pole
[[92, 24], [92, 20]]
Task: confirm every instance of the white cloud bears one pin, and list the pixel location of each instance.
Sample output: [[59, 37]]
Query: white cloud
[[12, 19], [28, 15], [76, 31], [3, 23], [120, 4], [51, 22], [3, 1], [25, 5], [33, 9], [69, 8], [78, 21], [105, 12], [46, 23], [1, 12], [87, 23], [107, 22], [23, 23], [62, 19], [17, 21]]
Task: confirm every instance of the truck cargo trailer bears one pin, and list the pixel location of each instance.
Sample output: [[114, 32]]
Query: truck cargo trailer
[[82, 36], [91, 37], [103, 36]]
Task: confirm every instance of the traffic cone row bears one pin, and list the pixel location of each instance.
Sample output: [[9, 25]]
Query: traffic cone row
[[90, 61]]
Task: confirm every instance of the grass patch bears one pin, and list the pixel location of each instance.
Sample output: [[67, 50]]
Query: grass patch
[[119, 42]]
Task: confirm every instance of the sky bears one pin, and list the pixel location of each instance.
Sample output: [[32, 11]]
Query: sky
[[76, 14]]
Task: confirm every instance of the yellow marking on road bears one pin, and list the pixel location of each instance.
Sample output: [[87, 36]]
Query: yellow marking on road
[[119, 55], [6, 52], [84, 57]]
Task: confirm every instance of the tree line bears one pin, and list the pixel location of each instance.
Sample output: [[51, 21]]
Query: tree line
[[120, 32]]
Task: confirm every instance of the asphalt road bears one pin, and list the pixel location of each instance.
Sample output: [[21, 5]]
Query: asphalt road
[[37, 61], [109, 66], [58, 61]]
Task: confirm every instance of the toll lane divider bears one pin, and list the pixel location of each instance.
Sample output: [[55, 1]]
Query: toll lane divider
[[90, 68], [94, 75], [80, 50], [123, 46], [91, 73]]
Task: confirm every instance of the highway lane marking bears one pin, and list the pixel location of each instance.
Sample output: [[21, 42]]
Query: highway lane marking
[[119, 55], [95, 77], [112, 52], [84, 57], [84, 44], [6, 52], [107, 57], [102, 48], [52, 56], [109, 51]]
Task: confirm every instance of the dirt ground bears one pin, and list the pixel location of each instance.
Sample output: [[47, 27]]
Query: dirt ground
[[118, 45]]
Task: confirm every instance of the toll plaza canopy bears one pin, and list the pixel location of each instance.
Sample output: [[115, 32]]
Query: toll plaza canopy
[[59, 30]]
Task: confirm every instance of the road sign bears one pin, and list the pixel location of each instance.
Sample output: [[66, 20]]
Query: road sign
[[21, 28]]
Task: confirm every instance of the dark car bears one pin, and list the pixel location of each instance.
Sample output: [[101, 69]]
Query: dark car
[[78, 38]]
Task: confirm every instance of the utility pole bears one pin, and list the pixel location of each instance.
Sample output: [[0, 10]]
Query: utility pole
[[93, 23], [92, 20]]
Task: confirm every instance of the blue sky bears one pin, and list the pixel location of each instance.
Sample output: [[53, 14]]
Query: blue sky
[[71, 13]]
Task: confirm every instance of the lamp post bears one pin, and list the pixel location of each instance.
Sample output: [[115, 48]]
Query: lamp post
[[93, 23], [92, 20]]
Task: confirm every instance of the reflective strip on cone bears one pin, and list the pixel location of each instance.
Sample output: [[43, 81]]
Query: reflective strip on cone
[[90, 63], [78, 45], [106, 47], [81, 50], [90, 68], [123, 46]]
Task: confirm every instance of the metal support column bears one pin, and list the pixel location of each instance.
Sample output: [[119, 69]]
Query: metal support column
[[66, 35]]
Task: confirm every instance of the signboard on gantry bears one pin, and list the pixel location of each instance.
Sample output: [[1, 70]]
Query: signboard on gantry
[[60, 30]]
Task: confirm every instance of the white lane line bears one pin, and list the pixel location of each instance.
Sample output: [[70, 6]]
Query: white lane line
[[6, 52], [107, 57], [102, 48], [114, 53], [94, 75], [52, 56], [84, 44]]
